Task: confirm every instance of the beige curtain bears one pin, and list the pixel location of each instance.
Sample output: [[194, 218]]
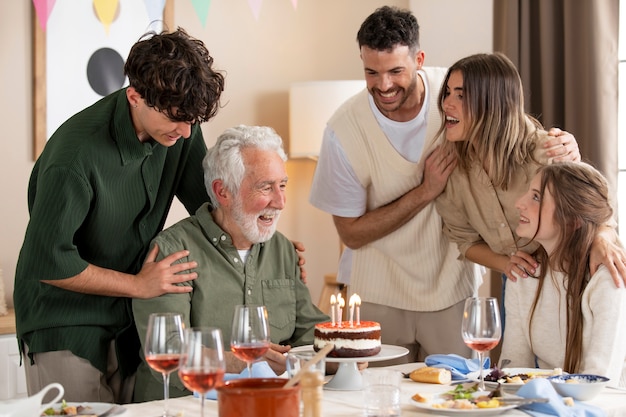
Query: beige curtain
[[566, 52]]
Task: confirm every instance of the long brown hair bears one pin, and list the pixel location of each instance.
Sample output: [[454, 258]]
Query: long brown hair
[[581, 197], [493, 101]]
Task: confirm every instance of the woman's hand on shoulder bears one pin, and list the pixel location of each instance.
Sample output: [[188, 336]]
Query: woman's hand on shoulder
[[520, 265], [561, 146]]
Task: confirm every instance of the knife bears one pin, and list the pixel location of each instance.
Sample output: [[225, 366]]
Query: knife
[[520, 400]]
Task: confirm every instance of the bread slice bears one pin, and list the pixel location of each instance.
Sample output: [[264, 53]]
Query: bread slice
[[431, 375]]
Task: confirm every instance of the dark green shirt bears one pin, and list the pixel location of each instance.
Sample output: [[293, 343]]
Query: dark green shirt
[[270, 277], [97, 195]]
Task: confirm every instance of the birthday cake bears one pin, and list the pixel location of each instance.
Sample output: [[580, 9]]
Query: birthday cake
[[351, 340]]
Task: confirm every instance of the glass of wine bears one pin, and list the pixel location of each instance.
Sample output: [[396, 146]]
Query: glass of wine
[[481, 328], [162, 347], [202, 363], [250, 337]]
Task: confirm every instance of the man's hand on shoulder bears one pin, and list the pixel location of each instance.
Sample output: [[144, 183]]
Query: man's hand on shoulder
[[160, 277], [301, 260], [438, 167]]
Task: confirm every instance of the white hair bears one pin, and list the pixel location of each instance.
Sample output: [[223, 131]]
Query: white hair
[[224, 162]]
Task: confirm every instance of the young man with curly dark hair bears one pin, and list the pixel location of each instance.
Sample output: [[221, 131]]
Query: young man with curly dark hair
[[98, 194]]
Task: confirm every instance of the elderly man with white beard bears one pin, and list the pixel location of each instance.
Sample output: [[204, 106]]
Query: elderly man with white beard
[[241, 258]]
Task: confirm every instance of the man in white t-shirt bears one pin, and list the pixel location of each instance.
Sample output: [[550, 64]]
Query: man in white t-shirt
[[379, 171]]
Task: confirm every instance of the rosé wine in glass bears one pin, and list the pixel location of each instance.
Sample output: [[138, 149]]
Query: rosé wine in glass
[[201, 381], [481, 328], [250, 353], [163, 363], [250, 338], [162, 348], [483, 345], [202, 363]]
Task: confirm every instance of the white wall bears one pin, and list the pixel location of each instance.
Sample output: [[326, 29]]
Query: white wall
[[314, 42], [453, 29]]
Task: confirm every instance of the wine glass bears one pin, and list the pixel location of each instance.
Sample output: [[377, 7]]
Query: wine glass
[[202, 363], [162, 347], [481, 328], [250, 337]]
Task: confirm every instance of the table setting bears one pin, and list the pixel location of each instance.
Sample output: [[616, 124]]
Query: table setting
[[351, 393], [444, 384], [611, 402]]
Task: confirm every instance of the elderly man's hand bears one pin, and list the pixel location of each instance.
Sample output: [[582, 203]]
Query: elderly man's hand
[[275, 357]]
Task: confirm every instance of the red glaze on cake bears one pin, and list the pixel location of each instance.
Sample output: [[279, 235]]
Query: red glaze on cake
[[354, 341]]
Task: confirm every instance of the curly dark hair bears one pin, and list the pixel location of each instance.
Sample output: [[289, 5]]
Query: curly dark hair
[[388, 27], [172, 73]]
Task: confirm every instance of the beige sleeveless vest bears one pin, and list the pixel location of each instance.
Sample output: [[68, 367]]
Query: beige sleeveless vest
[[414, 268]]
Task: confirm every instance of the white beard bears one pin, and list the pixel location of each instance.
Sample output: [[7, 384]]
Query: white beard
[[249, 225]]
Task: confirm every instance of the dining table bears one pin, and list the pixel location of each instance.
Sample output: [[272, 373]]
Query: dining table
[[340, 403]]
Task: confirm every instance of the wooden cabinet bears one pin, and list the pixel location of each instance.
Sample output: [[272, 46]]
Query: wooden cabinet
[[12, 377]]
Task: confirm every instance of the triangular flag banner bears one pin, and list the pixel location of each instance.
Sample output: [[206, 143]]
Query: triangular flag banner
[[105, 10], [294, 3], [155, 9], [202, 9], [43, 8], [255, 5]]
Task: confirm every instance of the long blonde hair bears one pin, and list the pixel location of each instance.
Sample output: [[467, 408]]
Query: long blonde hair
[[581, 198], [499, 130]]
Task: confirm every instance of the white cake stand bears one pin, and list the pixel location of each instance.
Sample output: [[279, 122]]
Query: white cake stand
[[348, 377]]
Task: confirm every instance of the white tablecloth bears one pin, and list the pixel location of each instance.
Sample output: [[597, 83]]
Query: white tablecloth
[[350, 403]]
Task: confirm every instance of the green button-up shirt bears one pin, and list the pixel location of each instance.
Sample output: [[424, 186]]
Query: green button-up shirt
[[97, 195], [270, 276]]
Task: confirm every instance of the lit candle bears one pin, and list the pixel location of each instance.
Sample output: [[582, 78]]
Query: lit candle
[[340, 304], [351, 303], [333, 302], [357, 302]]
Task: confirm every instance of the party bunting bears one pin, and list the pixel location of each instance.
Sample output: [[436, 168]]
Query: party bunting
[[255, 5], [202, 9], [105, 10], [43, 8], [155, 9]]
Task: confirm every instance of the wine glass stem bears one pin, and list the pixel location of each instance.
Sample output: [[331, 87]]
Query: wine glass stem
[[202, 404], [166, 393], [481, 385]]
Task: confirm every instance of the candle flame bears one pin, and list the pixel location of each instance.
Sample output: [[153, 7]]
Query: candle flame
[[357, 300], [333, 300], [341, 302], [352, 300]]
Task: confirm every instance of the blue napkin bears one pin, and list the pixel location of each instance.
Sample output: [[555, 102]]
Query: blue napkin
[[259, 370], [457, 365], [541, 387]]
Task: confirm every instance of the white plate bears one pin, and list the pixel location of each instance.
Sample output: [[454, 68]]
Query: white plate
[[511, 387], [386, 352], [478, 412], [94, 408]]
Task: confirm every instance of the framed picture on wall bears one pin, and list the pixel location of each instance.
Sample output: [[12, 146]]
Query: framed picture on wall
[[79, 57]]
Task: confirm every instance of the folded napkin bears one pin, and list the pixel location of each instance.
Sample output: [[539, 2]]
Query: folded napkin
[[541, 387], [259, 370], [457, 365]]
